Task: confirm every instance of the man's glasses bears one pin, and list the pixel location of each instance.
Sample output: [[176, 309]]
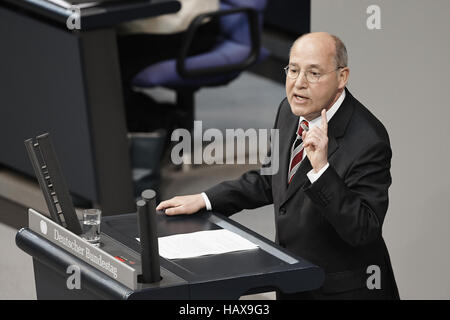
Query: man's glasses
[[311, 76]]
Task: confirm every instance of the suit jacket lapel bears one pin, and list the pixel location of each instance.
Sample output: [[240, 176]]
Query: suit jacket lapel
[[336, 129], [299, 178], [287, 136]]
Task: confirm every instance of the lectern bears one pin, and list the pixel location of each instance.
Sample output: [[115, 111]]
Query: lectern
[[124, 268], [112, 271]]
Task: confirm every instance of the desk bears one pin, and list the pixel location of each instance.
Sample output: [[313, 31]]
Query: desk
[[223, 276], [68, 83]]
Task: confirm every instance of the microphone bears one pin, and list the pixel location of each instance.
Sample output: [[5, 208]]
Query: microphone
[[148, 237]]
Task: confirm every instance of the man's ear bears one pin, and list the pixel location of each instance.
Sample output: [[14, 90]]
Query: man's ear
[[343, 77]]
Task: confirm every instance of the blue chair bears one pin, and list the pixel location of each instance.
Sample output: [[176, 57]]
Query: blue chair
[[237, 48]]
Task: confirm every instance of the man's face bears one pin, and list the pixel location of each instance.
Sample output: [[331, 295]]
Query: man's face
[[316, 54]]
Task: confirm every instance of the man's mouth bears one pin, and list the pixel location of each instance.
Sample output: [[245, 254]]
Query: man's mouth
[[300, 98]]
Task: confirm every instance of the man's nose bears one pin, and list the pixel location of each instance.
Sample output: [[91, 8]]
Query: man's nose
[[301, 81]]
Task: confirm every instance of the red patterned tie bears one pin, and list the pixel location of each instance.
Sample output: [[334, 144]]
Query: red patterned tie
[[297, 151]]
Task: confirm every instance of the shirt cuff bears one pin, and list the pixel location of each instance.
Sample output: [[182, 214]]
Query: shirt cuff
[[207, 202], [312, 176]]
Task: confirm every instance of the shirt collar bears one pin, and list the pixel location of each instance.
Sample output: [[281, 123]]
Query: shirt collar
[[330, 113]]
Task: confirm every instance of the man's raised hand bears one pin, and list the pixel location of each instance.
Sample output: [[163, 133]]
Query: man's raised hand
[[315, 142]]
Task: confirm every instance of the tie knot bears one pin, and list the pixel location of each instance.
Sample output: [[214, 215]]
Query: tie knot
[[303, 123]]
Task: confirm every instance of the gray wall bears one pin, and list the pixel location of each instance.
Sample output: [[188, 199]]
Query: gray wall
[[401, 73]]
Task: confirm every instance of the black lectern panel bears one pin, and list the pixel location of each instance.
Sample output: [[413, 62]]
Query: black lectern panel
[[229, 275], [220, 276], [50, 264]]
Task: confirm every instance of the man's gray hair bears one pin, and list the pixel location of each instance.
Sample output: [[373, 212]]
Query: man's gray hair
[[341, 56]]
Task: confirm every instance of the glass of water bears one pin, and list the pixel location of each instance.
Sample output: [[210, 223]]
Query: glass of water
[[91, 226]]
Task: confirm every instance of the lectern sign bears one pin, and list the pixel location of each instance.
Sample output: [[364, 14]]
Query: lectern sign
[[83, 250]]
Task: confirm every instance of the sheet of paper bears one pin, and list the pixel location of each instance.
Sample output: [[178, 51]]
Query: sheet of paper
[[189, 245]]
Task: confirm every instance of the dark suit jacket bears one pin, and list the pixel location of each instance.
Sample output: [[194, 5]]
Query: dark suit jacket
[[335, 222]]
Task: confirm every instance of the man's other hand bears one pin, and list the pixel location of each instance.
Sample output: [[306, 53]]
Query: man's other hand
[[182, 205]]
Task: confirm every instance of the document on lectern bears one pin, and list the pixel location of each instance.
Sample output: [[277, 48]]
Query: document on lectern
[[195, 244]]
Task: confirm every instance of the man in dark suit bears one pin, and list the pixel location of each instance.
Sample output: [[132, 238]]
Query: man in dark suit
[[331, 191]]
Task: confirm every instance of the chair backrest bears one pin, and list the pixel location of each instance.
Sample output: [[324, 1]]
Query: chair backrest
[[235, 26]]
